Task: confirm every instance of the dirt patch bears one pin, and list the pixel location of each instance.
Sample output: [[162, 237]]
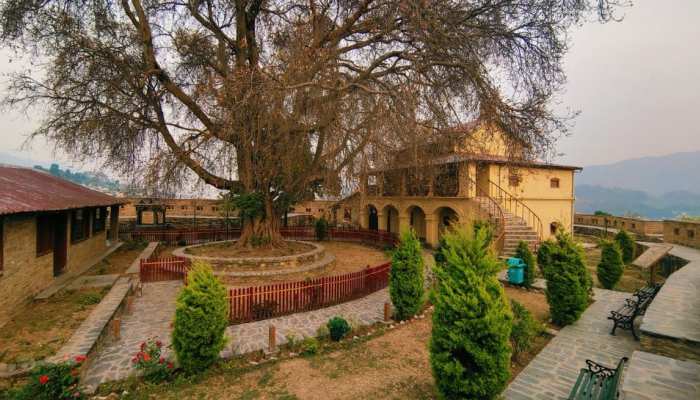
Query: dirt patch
[[228, 250], [117, 262], [394, 364], [534, 300], [632, 278], [43, 326]]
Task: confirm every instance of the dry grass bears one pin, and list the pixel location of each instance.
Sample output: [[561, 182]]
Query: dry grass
[[42, 327], [117, 262], [228, 249], [391, 364]]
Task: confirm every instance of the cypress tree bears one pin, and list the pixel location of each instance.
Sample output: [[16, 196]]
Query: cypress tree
[[569, 284], [201, 318], [523, 252], [406, 276], [469, 348], [626, 243], [611, 266]]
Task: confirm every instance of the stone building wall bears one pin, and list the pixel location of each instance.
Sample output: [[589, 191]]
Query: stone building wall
[[685, 233], [643, 227], [24, 274]]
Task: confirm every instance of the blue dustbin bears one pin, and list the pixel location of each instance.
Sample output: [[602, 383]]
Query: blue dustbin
[[516, 270]]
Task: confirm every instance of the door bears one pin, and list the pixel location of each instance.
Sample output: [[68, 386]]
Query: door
[[60, 243], [482, 178]]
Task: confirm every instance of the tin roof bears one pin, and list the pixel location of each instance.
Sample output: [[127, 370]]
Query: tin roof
[[30, 190]]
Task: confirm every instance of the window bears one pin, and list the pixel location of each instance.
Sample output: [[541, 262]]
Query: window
[[308, 210], [44, 235], [183, 207], [291, 209], [121, 206], [554, 183], [169, 207], [79, 226], [513, 180], [594, 221], [634, 225], [200, 208], [320, 209], [99, 217], [215, 208], [676, 231], [691, 233]]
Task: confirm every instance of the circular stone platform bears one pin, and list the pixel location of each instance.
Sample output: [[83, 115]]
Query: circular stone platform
[[260, 266]]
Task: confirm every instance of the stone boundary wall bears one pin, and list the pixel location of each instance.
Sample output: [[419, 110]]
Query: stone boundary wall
[[639, 226], [686, 233]]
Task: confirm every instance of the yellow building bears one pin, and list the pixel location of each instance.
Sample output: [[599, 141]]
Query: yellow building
[[465, 180]]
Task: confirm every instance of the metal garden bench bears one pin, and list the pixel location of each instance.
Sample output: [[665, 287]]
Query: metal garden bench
[[598, 382], [624, 316]]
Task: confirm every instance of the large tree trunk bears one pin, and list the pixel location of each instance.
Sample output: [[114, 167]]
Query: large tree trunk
[[262, 231]]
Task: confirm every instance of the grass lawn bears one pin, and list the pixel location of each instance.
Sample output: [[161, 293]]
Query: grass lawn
[[43, 326], [388, 364], [632, 278], [119, 261]]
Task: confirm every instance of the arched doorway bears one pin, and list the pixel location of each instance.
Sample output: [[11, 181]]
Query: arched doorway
[[417, 221], [373, 218], [391, 214], [446, 217]]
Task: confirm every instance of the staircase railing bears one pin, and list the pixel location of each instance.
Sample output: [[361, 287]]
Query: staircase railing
[[490, 210], [516, 207]]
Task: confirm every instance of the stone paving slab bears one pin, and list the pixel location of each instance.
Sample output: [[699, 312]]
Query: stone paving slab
[[652, 377], [151, 317], [85, 337], [147, 252], [553, 372], [245, 338], [93, 281]]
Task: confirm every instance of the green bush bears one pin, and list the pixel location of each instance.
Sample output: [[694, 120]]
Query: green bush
[[338, 327], [611, 266], [525, 329], [544, 255], [569, 284], [486, 227], [52, 382], [89, 298], [201, 318], [321, 228], [309, 346], [626, 243], [406, 276], [523, 252], [469, 347]]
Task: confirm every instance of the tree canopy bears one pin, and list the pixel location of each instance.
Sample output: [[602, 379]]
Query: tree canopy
[[284, 98]]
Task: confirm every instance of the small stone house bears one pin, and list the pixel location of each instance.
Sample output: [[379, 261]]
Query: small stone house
[[49, 228]]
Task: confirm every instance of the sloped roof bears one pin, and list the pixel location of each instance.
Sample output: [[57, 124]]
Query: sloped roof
[[30, 190], [485, 158]]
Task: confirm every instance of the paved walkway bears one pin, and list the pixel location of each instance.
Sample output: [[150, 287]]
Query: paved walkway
[[652, 376], [151, 317], [552, 373], [254, 335], [153, 313]]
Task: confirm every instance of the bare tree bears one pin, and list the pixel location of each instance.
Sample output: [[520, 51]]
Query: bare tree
[[277, 100]]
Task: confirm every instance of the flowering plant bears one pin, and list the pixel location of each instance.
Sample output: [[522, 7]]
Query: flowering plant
[[150, 361], [54, 381]]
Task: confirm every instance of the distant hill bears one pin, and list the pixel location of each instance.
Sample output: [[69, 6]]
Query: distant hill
[[89, 179], [657, 176]]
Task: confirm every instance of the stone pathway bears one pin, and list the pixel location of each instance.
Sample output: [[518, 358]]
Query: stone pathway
[[147, 252], [254, 335], [553, 372], [652, 376], [151, 317], [154, 311]]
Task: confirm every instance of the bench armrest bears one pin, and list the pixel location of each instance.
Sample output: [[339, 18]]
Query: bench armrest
[[599, 369]]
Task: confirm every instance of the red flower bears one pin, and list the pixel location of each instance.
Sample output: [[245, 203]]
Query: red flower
[[80, 359], [143, 346], [76, 394], [135, 360], [146, 357], [170, 365], [161, 360], [44, 379], [159, 343]]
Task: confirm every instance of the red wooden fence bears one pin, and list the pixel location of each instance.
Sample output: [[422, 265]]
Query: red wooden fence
[[164, 269], [187, 237], [268, 301]]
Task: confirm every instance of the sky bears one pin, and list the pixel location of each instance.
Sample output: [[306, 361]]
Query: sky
[[636, 84]]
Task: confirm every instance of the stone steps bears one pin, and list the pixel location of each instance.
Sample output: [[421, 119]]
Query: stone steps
[[515, 230]]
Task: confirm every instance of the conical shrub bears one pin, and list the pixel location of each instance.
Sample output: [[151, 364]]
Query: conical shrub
[[523, 252], [406, 276], [201, 318], [627, 245], [469, 347], [611, 267]]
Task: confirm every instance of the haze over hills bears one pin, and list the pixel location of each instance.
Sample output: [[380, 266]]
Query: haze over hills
[[654, 187]]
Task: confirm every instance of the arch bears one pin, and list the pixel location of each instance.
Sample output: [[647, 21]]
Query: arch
[[391, 218], [372, 217], [446, 217], [417, 221]]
